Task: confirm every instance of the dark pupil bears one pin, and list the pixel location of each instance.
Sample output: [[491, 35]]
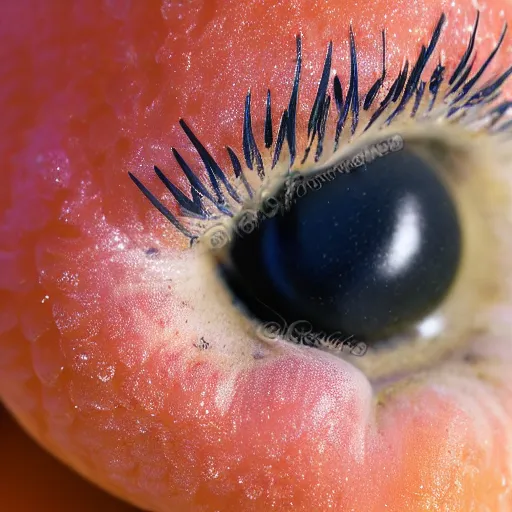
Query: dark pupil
[[369, 253]]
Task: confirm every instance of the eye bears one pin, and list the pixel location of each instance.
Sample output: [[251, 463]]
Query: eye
[[128, 354], [371, 233], [355, 252]]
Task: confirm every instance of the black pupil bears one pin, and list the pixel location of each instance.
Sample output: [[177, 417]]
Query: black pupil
[[368, 253]]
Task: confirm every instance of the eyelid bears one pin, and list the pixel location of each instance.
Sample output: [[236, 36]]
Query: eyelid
[[359, 143]]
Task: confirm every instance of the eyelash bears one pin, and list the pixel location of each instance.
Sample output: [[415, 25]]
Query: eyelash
[[458, 101]]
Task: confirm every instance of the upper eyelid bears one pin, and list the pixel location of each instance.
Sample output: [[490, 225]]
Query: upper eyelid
[[406, 87]]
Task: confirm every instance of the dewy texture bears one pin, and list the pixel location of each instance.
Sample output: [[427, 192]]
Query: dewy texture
[[117, 355]]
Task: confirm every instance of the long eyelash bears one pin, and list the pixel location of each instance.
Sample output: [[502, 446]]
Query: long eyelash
[[375, 88], [320, 106], [407, 89]]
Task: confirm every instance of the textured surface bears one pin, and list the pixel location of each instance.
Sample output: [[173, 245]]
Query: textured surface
[[95, 358]]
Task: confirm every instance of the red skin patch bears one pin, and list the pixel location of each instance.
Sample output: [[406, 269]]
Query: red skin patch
[[87, 365]]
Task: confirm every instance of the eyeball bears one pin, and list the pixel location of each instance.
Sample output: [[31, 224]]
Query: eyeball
[[369, 252]]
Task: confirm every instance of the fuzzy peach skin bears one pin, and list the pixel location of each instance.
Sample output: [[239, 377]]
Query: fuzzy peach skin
[[97, 338]]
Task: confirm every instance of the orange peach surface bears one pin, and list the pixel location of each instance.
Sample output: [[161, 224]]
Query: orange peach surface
[[97, 355]]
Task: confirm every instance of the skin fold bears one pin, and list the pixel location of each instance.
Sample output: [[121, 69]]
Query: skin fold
[[98, 339]]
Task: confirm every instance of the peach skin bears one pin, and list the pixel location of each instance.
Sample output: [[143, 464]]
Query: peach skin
[[126, 354]]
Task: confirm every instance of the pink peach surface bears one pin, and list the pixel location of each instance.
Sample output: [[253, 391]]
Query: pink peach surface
[[97, 355]]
